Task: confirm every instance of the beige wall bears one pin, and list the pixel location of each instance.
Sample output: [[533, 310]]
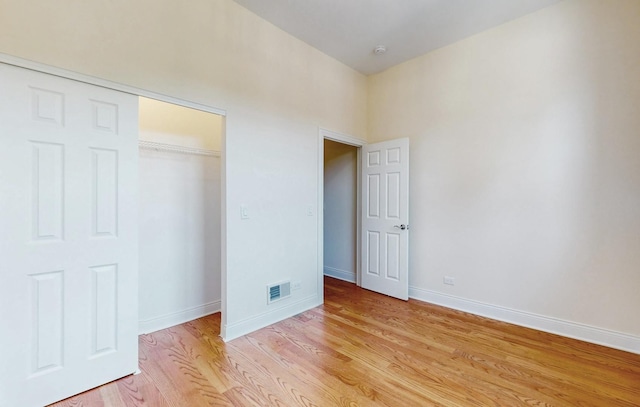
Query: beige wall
[[525, 169], [172, 124], [275, 89], [525, 177], [209, 51]]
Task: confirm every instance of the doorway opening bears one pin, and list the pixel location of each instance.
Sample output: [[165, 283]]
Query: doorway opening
[[75, 149], [179, 214], [340, 199], [382, 193], [340, 210]]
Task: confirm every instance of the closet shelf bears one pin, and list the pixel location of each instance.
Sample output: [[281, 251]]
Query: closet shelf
[[152, 145]]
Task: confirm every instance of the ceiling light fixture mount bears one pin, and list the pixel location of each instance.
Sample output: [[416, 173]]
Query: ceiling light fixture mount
[[379, 50]]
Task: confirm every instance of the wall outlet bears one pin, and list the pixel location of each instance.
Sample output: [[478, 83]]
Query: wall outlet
[[296, 285], [449, 280]]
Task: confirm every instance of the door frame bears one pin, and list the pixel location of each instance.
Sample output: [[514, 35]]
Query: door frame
[[92, 80], [324, 134]]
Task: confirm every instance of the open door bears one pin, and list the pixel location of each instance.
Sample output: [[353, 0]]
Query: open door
[[68, 237], [385, 218]]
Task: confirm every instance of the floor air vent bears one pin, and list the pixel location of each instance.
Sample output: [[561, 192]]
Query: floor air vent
[[278, 292]]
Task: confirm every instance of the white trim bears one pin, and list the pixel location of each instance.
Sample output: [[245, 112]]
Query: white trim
[[176, 318], [172, 148], [587, 333], [359, 217], [352, 141], [343, 275], [320, 213], [223, 226], [246, 326], [92, 80], [341, 138]]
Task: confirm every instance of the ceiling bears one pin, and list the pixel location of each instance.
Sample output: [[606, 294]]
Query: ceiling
[[349, 30]]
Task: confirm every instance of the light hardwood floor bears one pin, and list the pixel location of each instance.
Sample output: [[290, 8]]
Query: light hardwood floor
[[365, 349]]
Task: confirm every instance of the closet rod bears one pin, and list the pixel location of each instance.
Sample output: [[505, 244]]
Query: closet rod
[[152, 145]]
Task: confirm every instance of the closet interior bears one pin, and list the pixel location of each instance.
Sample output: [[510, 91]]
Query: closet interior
[[179, 213]]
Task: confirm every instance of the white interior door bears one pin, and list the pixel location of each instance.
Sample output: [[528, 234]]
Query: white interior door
[[68, 237], [385, 218]]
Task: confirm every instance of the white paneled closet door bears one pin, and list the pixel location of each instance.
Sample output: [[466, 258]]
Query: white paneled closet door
[[68, 235]]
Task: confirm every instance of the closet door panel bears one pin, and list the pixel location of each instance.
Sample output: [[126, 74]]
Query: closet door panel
[[68, 227]]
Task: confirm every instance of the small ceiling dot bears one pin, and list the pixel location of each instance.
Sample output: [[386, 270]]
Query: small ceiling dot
[[379, 50]]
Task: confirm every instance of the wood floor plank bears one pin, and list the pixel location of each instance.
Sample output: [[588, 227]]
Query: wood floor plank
[[478, 340], [136, 391], [311, 368], [365, 349], [417, 363], [290, 373], [176, 356]]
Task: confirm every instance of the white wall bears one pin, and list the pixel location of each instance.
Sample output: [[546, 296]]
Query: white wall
[[525, 177], [179, 217], [276, 91], [340, 199]]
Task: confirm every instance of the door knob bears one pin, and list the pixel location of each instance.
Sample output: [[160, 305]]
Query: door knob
[[401, 227]]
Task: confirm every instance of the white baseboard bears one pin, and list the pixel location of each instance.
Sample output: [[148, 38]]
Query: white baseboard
[[176, 318], [569, 329], [340, 274], [237, 329]]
